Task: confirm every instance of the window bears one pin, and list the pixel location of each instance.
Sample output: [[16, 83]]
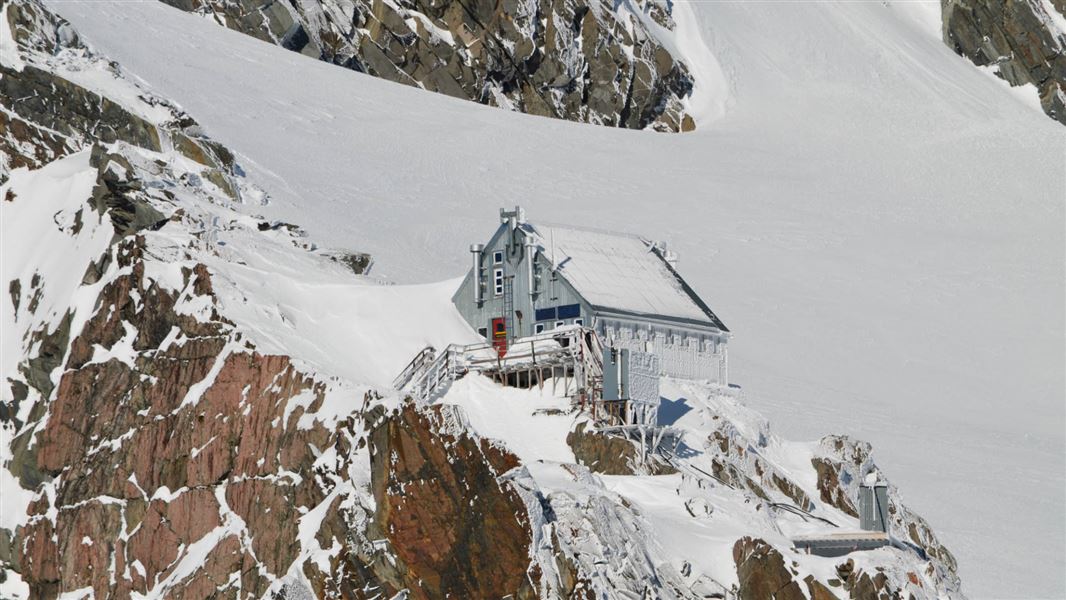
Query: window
[[483, 332], [545, 314], [497, 281], [560, 323], [569, 311], [538, 328], [579, 322], [497, 257]]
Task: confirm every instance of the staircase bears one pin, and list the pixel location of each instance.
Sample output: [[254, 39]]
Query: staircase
[[429, 373], [574, 353], [424, 357]]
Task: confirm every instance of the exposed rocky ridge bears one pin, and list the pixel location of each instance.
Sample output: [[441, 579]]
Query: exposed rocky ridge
[[45, 115], [1023, 39], [581, 60]]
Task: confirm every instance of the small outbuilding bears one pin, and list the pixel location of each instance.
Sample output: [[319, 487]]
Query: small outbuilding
[[873, 522]]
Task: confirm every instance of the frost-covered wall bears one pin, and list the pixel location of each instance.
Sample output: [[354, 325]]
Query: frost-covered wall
[[644, 369], [684, 352]]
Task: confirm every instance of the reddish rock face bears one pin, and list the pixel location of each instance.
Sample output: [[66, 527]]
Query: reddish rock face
[[829, 486], [762, 573], [458, 531], [139, 473]]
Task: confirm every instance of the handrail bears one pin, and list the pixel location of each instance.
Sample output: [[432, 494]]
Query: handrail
[[429, 370], [407, 374], [799, 511]]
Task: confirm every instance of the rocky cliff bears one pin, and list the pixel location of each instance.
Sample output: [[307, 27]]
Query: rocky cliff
[[581, 60], [1023, 40]]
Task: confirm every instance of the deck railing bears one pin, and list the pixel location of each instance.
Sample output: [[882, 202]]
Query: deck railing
[[573, 352]]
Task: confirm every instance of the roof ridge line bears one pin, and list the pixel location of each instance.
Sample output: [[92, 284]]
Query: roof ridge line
[[626, 234]]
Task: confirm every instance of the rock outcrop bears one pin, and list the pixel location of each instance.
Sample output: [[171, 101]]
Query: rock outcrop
[[456, 529], [47, 115], [612, 454], [581, 60], [736, 462], [762, 573], [144, 465], [1025, 40]]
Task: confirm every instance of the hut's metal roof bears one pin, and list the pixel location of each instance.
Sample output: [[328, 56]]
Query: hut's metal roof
[[620, 272]]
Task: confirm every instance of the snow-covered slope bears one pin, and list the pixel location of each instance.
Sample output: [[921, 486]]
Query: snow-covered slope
[[879, 223]]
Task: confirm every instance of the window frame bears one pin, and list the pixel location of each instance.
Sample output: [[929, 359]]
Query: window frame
[[497, 281], [538, 328], [497, 257]]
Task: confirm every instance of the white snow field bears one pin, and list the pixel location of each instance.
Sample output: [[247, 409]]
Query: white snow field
[[880, 223]]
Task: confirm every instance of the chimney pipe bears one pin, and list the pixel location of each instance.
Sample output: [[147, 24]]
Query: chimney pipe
[[531, 255], [513, 218], [475, 251]]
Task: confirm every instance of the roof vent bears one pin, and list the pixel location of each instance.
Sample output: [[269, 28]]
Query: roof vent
[[514, 217], [668, 255]]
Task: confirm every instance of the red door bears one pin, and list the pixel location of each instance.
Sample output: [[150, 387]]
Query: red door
[[499, 336]]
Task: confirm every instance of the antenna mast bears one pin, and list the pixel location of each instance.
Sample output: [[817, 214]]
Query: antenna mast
[[552, 236]]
